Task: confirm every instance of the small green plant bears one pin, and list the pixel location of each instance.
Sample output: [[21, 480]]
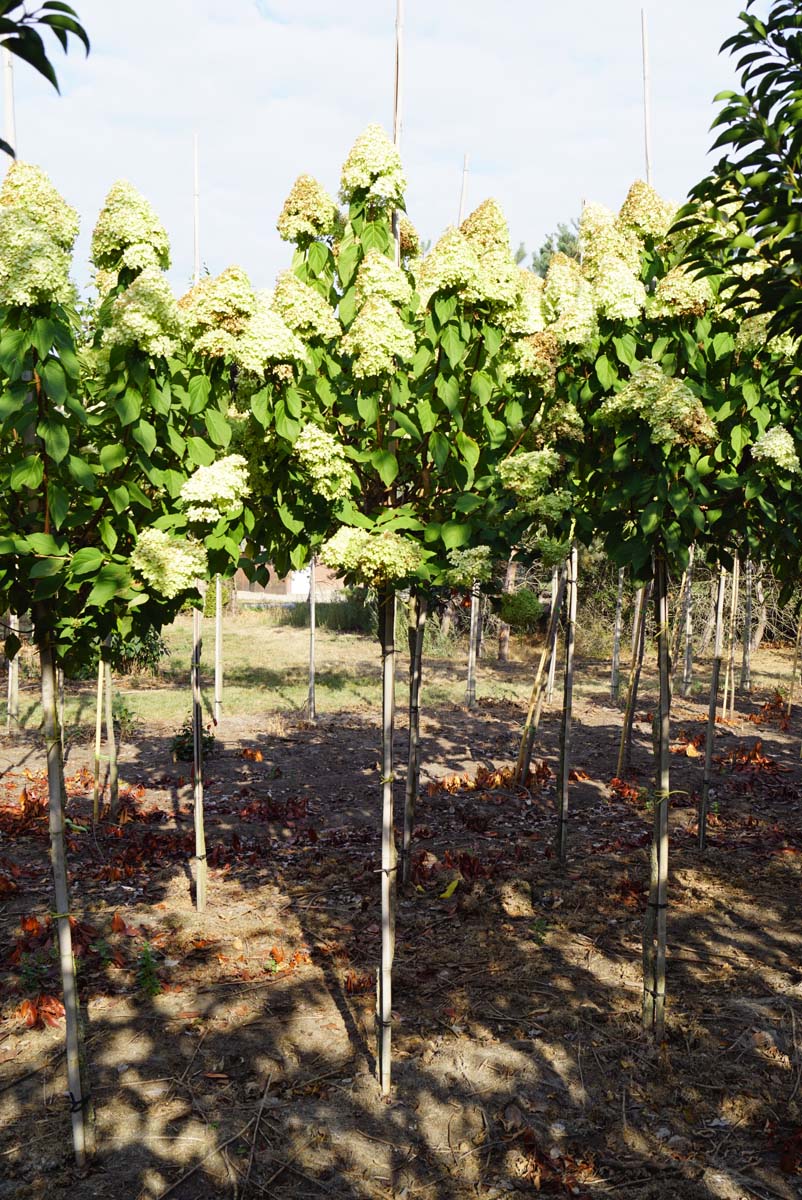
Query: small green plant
[[538, 929], [521, 610], [124, 718], [146, 978], [182, 746], [227, 592], [33, 972], [103, 950]]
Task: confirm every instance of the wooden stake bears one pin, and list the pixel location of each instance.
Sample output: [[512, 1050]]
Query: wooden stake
[[197, 764], [416, 628], [218, 649], [463, 191], [655, 931], [384, 1011], [473, 645], [647, 99], [615, 671], [687, 621], [9, 115], [746, 654], [98, 737], [572, 564], [636, 664], [504, 629], [111, 742], [792, 685], [12, 707], [536, 698], [553, 647], [729, 676], [310, 702], [711, 712]]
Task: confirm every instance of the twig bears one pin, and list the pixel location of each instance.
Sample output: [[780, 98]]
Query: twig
[[188, 1067], [256, 1134], [211, 1154]]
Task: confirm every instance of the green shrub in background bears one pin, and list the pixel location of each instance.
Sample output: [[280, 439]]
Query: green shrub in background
[[227, 591], [521, 610], [139, 653]]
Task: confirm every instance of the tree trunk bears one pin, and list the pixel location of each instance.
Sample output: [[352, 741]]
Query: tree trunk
[[635, 667], [473, 645], [568, 695], [447, 619], [310, 703], [710, 623], [711, 712], [82, 1133], [111, 741], [746, 660], [640, 600], [761, 609], [98, 737], [388, 861], [687, 621], [12, 707], [553, 647], [415, 630], [218, 649], [615, 672], [654, 937], [729, 676], [504, 629], [197, 764], [794, 669], [536, 699]]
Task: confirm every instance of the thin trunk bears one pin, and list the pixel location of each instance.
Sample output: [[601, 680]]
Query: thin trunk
[[746, 660], [635, 667], [111, 741], [12, 709], [654, 938], [615, 672], [794, 668], [729, 676], [447, 619], [388, 861], [310, 703], [82, 1134], [415, 630], [504, 629], [687, 620], [678, 630], [711, 712], [60, 690], [218, 649], [568, 695], [640, 600], [536, 699], [553, 648], [480, 636], [762, 616], [710, 623], [197, 764], [98, 738], [473, 645]]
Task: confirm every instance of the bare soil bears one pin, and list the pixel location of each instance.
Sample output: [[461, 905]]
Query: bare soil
[[231, 1053]]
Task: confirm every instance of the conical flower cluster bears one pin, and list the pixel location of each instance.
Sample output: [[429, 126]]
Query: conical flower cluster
[[308, 212], [128, 233], [37, 231]]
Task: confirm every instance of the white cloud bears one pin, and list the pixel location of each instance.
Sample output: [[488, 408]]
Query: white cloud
[[545, 98]]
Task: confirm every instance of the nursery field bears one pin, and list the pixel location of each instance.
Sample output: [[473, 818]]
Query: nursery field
[[231, 1052]]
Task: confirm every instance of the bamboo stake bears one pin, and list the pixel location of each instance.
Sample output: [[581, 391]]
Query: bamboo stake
[[711, 712], [463, 190], [553, 649], [746, 659], [197, 764], [504, 629], [415, 631], [60, 692], [636, 664], [687, 604], [12, 706], [655, 931], [729, 675], [388, 860], [568, 695], [615, 671], [218, 649], [9, 115], [310, 703], [473, 645], [536, 698], [98, 737], [792, 685], [647, 99], [111, 741]]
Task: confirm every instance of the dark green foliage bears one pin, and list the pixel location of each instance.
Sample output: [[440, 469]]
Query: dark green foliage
[[181, 744], [521, 610], [564, 240], [227, 595]]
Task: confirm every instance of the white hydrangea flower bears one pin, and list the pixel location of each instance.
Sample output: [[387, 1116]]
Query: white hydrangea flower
[[28, 189], [215, 491], [267, 340], [373, 166], [486, 229], [372, 556], [216, 311], [526, 316], [377, 339], [408, 237], [777, 446], [528, 472], [536, 357], [170, 565], [452, 265], [672, 411], [145, 316], [618, 292], [34, 269], [379, 276], [324, 461], [467, 566], [601, 238], [679, 294], [569, 302], [303, 309], [128, 232], [308, 212], [645, 211]]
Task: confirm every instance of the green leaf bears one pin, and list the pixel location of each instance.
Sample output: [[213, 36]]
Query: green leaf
[[199, 452], [260, 406], [81, 473], [111, 456], [285, 426], [128, 406], [513, 412], [455, 534], [605, 372], [53, 433], [43, 335], [108, 534], [318, 257], [111, 581], [386, 464], [447, 388], [58, 503], [427, 418], [119, 497], [482, 386], [424, 357], [651, 517], [217, 427], [367, 404], [439, 449], [199, 390], [43, 568], [86, 561], [11, 646], [468, 503], [27, 473], [46, 544], [451, 889], [51, 374], [144, 435], [444, 309], [468, 448], [452, 343], [347, 262], [626, 351], [288, 520]]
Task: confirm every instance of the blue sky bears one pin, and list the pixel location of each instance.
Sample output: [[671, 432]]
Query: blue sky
[[545, 98]]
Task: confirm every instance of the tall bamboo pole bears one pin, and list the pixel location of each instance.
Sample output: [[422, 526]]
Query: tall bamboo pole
[[416, 627], [197, 764], [746, 655], [388, 859], [473, 645], [615, 669], [729, 675], [504, 629], [463, 193], [654, 937], [218, 649], [567, 713], [711, 712], [640, 596], [553, 648], [111, 741], [98, 737], [12, 705], [310, 702], [792, 685], [687, 620], [538, 689], [647, 98], [9, 114], [635, 667]]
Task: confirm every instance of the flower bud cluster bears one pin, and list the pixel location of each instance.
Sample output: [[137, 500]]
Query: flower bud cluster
[[379, 276], [536, 357], [308, 212], [37, 230], [28, 189], [267, 340], [468, 566], [776, 446], [646, 212], [678, 294], [145, 316], [372, 556], [569, 302], [303, 309], [528, 472], [217, 490], [378, 339], [128, 233], [216, 311], [373, 168], [170, 565], [324, 461], [669, 407]]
